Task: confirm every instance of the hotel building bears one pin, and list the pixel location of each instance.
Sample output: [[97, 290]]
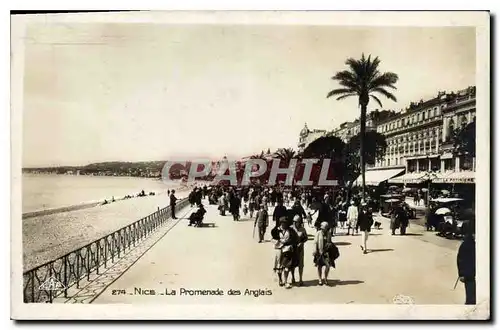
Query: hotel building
[[419, 141], [307, 136]]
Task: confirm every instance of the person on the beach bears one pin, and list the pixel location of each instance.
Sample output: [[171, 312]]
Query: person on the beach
[[173, 201]]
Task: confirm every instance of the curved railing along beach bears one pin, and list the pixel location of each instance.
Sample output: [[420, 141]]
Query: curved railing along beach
[[41, 283]]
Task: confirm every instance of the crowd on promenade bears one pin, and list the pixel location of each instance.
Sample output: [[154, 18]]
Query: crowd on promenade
[[330, 208], [325, 212]]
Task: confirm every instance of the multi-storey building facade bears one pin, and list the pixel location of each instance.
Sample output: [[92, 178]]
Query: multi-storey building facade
[[307, 136], [419, 140], [347, 130]]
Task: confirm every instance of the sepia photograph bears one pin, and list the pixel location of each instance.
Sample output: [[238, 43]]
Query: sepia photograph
[[250, 165]]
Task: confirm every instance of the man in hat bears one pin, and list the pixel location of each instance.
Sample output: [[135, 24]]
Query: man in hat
[[365, 222], [466, 263], [173, 201], [298, 226], [261, 221], [352, 217], [279, 211]]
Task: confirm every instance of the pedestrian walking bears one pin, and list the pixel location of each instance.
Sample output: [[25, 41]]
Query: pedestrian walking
[[365, 221], [466, 264], [251, 206], [279, 212], [234, 206], [173, 202], [342, 214], [352, 217], [298, 226], [261, 222], [322, 253], [222, 206], [285, 239]]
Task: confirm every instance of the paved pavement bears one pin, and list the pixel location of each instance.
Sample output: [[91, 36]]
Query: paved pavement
[[226, 257]]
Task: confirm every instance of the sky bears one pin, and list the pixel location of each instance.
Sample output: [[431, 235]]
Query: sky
[[139, 92]]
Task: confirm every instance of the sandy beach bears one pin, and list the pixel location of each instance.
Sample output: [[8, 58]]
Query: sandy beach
[[50, 236]]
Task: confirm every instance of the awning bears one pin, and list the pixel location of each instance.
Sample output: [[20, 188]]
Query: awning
[[455, 177], [410, 178], [375, 177], [447, 155]]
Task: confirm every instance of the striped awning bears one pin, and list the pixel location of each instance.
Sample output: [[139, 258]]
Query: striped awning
[[410, 178], [456, 177], [375, 177]]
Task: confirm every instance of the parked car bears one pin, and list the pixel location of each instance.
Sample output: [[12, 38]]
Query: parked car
[[449, 217]]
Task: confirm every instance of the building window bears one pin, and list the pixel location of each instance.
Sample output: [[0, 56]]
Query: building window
[[464, 121], [412, 165], [449, 164], [428, 114], [423, 115], [423, 165], [435, 164], [451, 126]]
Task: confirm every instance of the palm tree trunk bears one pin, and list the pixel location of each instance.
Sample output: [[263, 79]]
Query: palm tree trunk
[[362, 132]]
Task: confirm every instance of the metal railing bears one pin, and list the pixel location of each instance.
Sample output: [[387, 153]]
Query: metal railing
[[53, 278]]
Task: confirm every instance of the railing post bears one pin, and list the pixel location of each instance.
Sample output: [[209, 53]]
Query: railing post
[[89, 256], [105, 252], [65, 277], [98, 250], [33, 285], [78, 270]]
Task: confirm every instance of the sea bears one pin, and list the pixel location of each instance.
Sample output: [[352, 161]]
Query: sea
[[43, 191]]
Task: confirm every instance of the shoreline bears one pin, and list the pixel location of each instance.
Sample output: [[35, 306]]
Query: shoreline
[[91, 204], [94, 203]]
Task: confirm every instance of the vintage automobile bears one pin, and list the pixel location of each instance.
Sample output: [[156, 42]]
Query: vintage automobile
[[449, 216], [389, 201]]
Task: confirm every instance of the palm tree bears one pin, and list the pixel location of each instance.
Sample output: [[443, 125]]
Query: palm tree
[[363, 80], [285, 154]]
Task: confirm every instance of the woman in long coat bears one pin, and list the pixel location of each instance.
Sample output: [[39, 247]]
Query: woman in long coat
[[234, 206], [298, 226], [284, 238], [321, 254]]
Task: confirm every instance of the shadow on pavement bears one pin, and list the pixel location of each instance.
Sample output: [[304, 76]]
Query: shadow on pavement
[[347, 282], [379, 250], [341, 243], [332, 283], [207, 225], [412, 234]]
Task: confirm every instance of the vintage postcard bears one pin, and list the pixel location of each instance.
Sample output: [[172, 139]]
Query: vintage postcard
[[251, 165]]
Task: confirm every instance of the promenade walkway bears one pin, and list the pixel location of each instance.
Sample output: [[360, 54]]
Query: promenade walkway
[[226, 257]]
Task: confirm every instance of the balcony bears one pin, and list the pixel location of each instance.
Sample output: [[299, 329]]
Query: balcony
[[411, 126]]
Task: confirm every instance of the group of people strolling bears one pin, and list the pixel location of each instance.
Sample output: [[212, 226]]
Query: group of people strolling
[[289, 237]]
